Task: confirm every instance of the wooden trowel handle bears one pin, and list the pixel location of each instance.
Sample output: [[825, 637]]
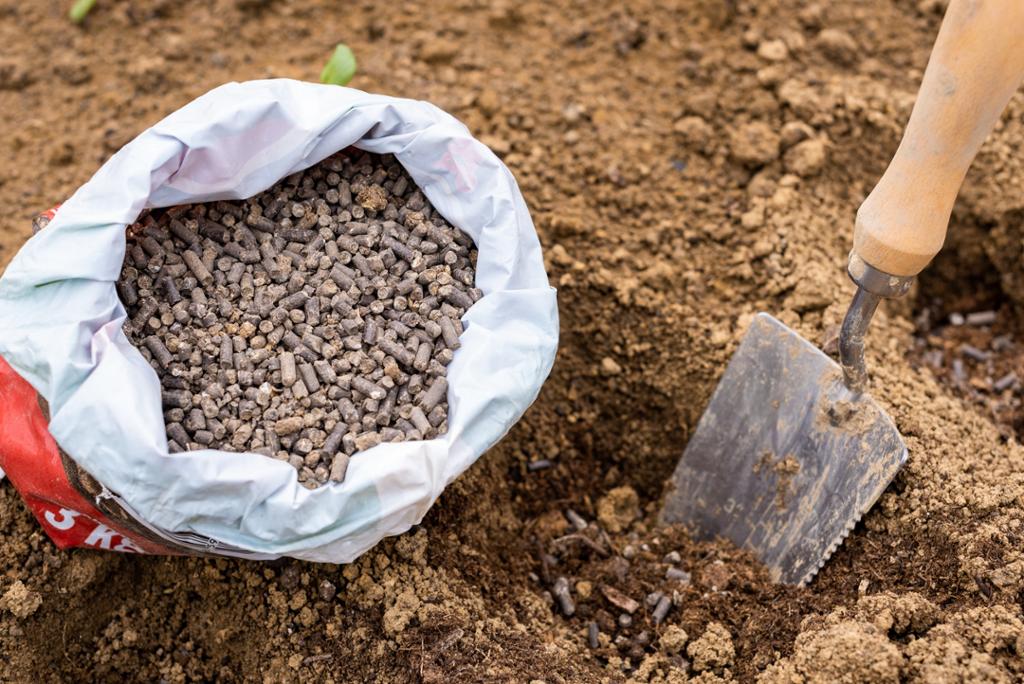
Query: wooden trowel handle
[[975, 66]]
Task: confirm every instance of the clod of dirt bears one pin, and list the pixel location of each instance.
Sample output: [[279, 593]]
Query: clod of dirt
[[14, 75], [868, 643], [673, 639], [413, 547], [617, 509], [64, 155], [373, 198], [402, 611], [907, 614], [846, 653], [20, 600], [754, 144], [794, 132], [696, 133], [980, 645], [839, 46], [610, 366], [713, 650], [773, 50], [437, 50], [806, 158], [489, 102]]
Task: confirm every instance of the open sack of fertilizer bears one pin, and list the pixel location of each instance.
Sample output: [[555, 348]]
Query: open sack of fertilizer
[[279, 322]]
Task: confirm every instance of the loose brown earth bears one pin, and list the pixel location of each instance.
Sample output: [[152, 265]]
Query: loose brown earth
[[645, 143]]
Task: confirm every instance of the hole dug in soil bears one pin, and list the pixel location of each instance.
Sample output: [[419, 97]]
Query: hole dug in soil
[[968, 331], [615, 581]]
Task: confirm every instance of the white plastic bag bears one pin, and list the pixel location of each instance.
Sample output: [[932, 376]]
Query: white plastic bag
[[61, 321]]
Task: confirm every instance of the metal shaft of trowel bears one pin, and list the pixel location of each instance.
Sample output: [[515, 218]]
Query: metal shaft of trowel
[[851, 339], [872, 286]]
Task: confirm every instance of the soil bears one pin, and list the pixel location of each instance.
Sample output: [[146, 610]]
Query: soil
[[687, 164]]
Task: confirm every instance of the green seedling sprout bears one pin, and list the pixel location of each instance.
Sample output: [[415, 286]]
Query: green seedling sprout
[[80, 9], [340, 68]]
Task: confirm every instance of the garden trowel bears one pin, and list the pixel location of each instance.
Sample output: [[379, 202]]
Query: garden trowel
[[791, 451]]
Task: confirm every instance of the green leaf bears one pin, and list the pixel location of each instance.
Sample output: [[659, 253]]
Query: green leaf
[[340, 68], [80, 9]]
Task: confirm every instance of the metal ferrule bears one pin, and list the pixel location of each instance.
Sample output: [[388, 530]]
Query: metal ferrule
[[877, 282], [872, 286]]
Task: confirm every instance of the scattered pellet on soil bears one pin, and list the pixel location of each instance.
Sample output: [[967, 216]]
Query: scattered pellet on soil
[[1005, 382], [563, 595], [309, 322], [593, 634], [981, 318], [661, 610], [677, 575], [979, 359], [576, 519], [974, 353]]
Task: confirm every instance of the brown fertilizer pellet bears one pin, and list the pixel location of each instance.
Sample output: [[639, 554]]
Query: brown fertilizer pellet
[[308, 323]]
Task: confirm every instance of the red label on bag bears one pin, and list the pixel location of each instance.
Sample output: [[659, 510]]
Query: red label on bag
[[69, 528], [30, 457]]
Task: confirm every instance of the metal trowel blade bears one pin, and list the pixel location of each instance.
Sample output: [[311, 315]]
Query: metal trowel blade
[[786, 459]]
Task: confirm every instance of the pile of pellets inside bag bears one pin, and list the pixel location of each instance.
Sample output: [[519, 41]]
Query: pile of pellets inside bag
[[308, 323]]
